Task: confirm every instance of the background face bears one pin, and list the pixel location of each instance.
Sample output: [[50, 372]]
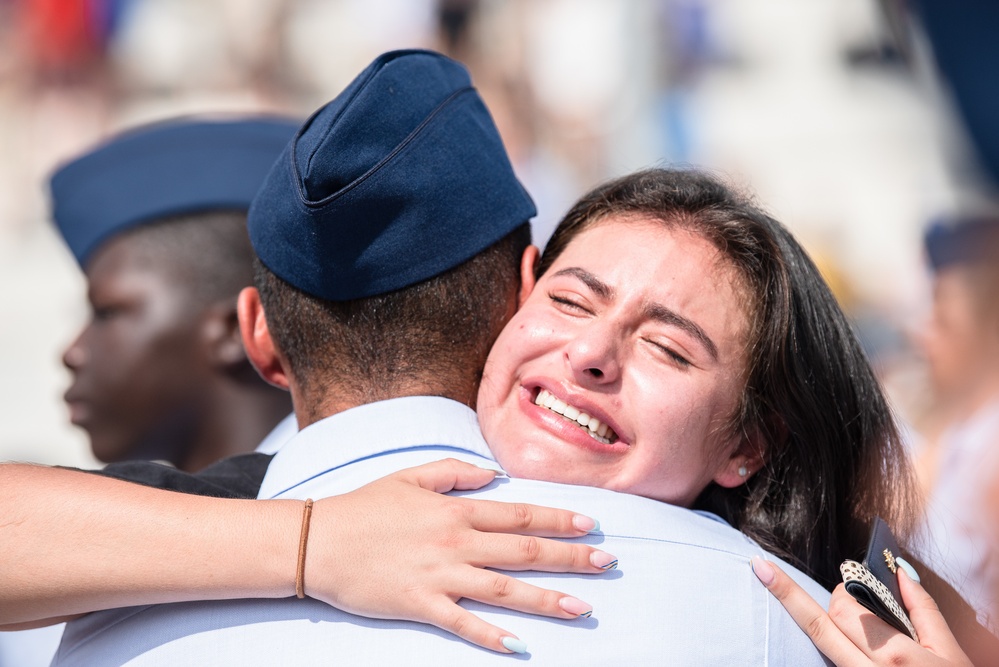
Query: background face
[[641, 327], [961, 340], [135, 365]]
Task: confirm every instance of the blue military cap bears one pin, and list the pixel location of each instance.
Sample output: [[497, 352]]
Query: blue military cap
[[170, 168], [965, 241], [398, 179]]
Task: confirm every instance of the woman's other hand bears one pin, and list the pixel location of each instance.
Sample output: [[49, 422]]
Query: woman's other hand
[[850, 635]]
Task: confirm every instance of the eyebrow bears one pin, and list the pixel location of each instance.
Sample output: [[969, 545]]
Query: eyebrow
[[663, 314], [653, 311], [597, 286]]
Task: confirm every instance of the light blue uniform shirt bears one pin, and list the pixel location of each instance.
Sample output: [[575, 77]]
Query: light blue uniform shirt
[[282, 432], [684, 594]]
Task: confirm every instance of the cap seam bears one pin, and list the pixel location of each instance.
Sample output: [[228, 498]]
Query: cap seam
[[388, 158], [343, 109]]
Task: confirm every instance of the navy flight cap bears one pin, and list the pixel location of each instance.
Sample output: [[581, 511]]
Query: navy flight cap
[[171, 168], [398, 179], [964, 241]]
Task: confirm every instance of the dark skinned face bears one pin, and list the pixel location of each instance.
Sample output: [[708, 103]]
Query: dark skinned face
[[136, 367]]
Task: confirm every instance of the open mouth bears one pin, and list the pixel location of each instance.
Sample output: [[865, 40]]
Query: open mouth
[[594, 427]]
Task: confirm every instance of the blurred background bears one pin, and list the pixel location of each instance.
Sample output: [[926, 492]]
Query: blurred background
[[829, 110]]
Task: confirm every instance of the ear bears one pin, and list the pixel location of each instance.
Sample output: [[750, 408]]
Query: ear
[[257, 341], [528, 263], [220, 335], [746, 457]]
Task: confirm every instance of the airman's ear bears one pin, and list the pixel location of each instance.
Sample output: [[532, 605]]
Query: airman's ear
[[528, 263], [257, 341]]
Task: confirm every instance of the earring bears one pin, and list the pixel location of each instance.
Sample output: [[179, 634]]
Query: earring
[[743, 471]]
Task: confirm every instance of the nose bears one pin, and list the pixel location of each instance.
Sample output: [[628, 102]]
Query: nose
[[75, 355], [593, 356]]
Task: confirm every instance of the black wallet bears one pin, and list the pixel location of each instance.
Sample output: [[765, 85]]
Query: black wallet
[[874, 584]]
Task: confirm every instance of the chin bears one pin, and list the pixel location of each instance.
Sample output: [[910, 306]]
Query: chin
[[108, 449], [540, 468]]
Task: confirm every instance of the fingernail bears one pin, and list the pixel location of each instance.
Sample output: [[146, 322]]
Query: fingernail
[[908, 569], [603, 560], [585, 523], [764, 571], [501, 474], [575, 607], [513, 644]]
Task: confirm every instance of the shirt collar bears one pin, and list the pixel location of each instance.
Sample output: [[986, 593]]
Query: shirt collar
[[280, 434], [373, 430]]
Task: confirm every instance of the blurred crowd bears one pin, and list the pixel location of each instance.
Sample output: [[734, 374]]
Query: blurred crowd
[[833, 112]]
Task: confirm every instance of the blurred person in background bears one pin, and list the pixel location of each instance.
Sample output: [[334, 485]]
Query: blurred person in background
[[962, 352], [156, 219], [962, 343]]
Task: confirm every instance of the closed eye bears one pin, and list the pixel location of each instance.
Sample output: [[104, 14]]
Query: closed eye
[[102, 314], [675, 356], [569, 304]]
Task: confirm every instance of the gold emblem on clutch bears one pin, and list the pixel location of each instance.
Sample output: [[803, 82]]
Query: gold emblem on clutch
[[890, 560]]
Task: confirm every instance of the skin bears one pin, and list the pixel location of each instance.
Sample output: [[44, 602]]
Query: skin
[[73, 542], [615, 339], [851, 636], [137, 374], [961, 342], [159, 372]]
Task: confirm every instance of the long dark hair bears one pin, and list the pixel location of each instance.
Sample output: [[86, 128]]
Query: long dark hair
[[832, 454]]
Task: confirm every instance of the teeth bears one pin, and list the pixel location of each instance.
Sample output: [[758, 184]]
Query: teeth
[[596, 429]]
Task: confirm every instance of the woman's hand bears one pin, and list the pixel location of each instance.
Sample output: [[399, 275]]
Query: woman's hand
[[850, 635], [396, 548]]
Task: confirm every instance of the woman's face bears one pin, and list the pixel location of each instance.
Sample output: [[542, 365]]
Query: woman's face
[[642, 328]]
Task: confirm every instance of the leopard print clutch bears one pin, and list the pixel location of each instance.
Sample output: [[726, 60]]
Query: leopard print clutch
[[874, 595]]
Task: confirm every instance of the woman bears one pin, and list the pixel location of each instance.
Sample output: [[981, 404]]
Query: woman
[[774, 419], [817, 453], [797, 434]]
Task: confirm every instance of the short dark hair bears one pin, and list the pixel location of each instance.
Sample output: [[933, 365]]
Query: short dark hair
[[833, 457], [441, 327], [209, 252]]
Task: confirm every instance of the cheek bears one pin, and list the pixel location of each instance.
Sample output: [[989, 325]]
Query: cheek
[[667, 408], [517, 347], [157, 359], [684, 437]]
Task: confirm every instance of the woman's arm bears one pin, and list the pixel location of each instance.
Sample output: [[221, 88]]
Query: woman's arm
[[850, 635], [71, 543]]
